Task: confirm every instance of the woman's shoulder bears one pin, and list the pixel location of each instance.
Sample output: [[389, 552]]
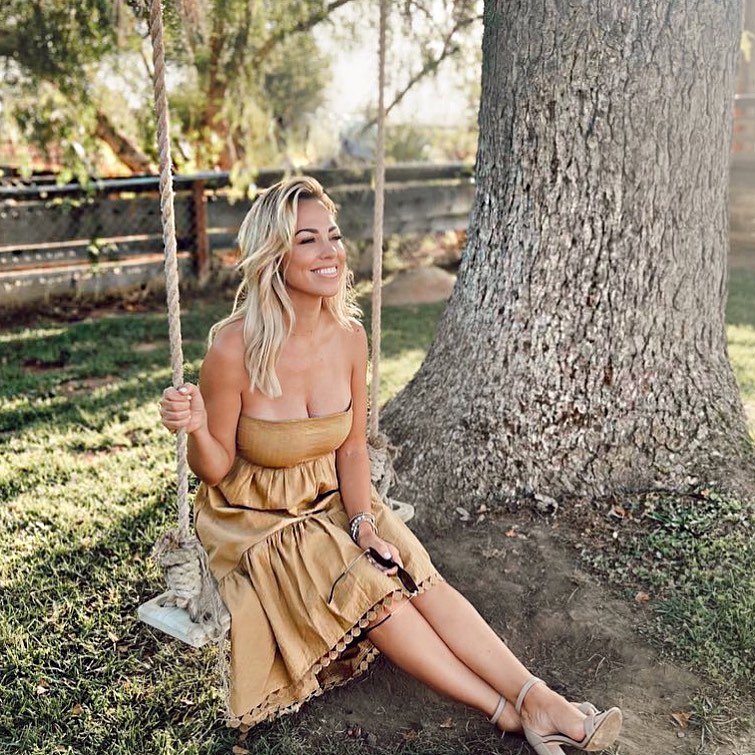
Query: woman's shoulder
[[229, 337], [353, 337], [227, 348]]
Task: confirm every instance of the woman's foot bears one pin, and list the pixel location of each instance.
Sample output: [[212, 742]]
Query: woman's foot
[[549, 721], [546, 712], [508, 720]]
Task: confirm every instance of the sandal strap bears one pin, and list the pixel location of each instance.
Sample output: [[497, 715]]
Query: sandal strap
[[499, 710], [528, 685]]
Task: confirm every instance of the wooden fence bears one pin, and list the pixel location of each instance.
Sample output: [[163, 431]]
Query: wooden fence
[[61, 240], [57, 240]]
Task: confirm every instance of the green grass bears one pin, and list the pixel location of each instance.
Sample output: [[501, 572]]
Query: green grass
[[740, 330], [86, 487], [693, 558]]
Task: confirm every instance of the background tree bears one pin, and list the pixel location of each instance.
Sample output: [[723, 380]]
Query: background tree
[[583, 349], [235, 66], [245, 78]]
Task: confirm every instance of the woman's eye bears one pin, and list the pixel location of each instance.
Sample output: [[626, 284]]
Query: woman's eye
[[336, 238], [307, 241]]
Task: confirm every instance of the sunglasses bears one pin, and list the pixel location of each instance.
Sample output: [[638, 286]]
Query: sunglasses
[[407, 582]]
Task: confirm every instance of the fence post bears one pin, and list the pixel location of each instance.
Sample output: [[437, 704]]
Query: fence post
[[201, 241]]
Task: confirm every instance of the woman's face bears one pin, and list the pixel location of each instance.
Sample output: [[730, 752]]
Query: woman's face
[[317, 260]]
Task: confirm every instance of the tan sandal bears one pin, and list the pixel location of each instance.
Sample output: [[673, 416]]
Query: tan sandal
[[498, 713], [601, 729]]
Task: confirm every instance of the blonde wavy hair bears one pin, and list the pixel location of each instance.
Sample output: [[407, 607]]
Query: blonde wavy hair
[[262, 302]]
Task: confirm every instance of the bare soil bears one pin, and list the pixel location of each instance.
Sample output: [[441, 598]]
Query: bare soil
[[580, 636]]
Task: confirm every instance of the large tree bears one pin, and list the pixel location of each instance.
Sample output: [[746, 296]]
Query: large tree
[[583, 350]]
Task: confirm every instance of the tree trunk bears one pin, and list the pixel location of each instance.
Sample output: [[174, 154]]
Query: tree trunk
[[583, 351]]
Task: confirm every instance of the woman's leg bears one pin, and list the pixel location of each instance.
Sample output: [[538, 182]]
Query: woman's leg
[[470, 639], [408, 640]]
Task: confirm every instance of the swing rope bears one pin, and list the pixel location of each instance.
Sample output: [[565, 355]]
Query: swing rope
[[179, 552], [381, 452], [377, 230]]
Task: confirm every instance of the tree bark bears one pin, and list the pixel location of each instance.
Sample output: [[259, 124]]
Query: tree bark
[[583, 351]]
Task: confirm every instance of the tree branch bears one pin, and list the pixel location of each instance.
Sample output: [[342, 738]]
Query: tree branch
[[429, 67], [280, 34], [123, 148]]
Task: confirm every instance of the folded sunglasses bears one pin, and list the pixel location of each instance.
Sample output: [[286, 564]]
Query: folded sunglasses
[[407, 581]]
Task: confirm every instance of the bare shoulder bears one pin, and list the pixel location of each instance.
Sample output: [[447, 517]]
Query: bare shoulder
[[354, 340], [226, 354]]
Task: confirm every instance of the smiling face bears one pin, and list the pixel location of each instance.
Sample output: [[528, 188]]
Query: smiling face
[[317, 261]]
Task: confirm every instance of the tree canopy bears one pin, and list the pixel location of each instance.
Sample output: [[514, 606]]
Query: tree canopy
[[244, 77]]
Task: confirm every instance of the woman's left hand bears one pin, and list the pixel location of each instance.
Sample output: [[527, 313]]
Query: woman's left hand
[[368, 539]]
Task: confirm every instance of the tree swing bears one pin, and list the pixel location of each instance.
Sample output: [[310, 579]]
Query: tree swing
[[191, 609]]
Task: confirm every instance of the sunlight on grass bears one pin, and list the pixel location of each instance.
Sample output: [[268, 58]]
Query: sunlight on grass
[[740, 331], [742, 356], [87, 484], [396, 372]]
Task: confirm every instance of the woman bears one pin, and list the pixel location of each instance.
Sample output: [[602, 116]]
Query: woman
[[317, 573]]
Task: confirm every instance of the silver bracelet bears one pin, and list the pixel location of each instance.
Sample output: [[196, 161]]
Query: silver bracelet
[[357, 519]]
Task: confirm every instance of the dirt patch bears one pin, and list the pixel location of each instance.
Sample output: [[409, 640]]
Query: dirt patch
[[420, 285], [146, 347], [524, 578], [741, 257]]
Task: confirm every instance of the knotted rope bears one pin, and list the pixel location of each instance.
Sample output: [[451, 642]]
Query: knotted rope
[[184, 561]]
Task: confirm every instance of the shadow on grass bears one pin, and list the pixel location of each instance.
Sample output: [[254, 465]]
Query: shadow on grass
[[80, 671], [106, 347]]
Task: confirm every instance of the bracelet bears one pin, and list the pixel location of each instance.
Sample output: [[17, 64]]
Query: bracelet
[[357, 519]]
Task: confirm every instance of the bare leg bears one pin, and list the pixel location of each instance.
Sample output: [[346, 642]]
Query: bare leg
[[409, 641], [474, 643]]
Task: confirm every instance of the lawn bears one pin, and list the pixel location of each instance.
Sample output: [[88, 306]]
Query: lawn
[[86, 487]]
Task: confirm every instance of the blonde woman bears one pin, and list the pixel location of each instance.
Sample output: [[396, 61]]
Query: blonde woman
[[318, 574]]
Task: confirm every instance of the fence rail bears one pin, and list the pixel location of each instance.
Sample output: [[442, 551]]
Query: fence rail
[[68, 239]]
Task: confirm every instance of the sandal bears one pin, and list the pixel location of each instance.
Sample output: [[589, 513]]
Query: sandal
[[498, 713], [586, 707], [601, 729]]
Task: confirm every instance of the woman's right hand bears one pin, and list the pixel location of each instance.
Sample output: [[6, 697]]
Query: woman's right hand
[[183, 408]]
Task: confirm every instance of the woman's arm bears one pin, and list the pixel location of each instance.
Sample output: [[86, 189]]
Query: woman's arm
[[352, 459], [211, 415]]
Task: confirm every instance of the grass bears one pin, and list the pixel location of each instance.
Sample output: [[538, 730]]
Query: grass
[[691, 556], [740, 330], [86, 487]]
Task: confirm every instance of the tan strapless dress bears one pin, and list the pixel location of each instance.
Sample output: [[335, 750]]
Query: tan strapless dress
[[276, 534]]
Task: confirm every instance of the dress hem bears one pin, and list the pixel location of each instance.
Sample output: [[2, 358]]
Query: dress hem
[[272, 707]]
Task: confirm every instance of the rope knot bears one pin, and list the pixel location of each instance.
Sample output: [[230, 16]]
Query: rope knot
[[190, 583]]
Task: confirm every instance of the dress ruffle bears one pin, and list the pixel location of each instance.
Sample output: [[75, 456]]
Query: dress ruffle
[[277, 539], [275, 705]]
